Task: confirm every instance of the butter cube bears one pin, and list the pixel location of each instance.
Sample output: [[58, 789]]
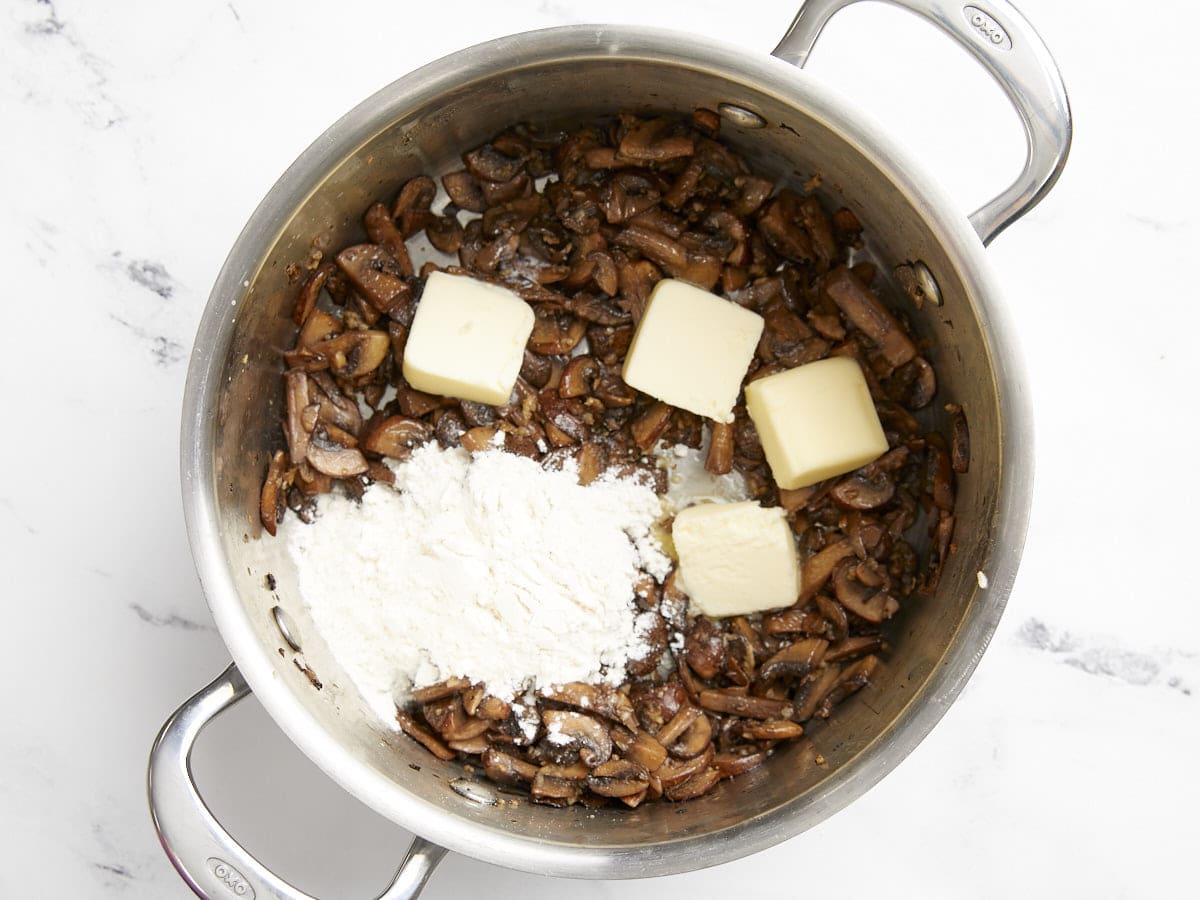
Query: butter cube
[[691, 349], [736, 558], [467, 339], [815, 421]]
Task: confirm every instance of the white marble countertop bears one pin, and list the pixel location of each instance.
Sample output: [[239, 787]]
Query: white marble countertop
[[137, 139]]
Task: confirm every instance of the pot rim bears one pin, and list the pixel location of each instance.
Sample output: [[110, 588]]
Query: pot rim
[[947, 223]]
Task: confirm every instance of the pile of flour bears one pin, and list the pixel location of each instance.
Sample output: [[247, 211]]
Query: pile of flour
[[484, 566]]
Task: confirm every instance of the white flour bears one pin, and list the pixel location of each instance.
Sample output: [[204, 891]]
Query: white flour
[[487, 567]]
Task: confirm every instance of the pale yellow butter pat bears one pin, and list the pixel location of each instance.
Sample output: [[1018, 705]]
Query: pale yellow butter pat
[[467, 339], [691, 349], [815, 421], [736, 558]]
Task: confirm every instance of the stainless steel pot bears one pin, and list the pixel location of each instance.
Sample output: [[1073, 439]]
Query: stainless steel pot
[[783, 122]]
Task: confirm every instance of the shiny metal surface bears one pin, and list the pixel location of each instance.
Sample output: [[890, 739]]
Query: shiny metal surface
[[207, 857], [422, 123], [1008, 47]]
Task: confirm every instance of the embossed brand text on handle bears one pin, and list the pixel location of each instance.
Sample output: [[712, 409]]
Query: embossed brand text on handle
[[231, 878], [986, 27]]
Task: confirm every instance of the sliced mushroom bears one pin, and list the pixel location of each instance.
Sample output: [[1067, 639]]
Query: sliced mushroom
[[650, 425], [558, 785], [376, 275], [355, 353], [382, 230], [618, 778], [794, 661], [816, 570], [694, 739], [835, 615], [868, 488], [700, 783], [488, 163], [396, 436], [555, 333], [579, 377], [673, 772], [306, 300], [571, 735], [601, 700], [863, 308], [464, 192], [772, 730], [336, 462], [274, 491], [719, 460], [334, 407], [704, 648], [679, 723], [423, 736], [653, 140], [741, 760], [854, 647], [722, 701], [296, 390], [639, 747], [411, 208], [504, 768], [866, 602]]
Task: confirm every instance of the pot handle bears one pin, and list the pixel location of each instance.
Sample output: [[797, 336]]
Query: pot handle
[[213, 864], [1009, 48]]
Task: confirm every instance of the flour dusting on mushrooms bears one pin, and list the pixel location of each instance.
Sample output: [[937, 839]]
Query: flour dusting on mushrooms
[[483, 566]]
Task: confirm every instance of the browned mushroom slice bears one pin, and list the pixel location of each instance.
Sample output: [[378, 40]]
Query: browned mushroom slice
[[869, 603], [719, 460], [794, 661], [274, 490], [618, 778], [639, 747], [597, 310], [652, 140], [472, 746], [704, 648], [701, 269], [579, 377], [700, 783], [355, 353], [960, 441], [647, 428], [382, 230], [296, 389], [772, 730], [819, 228], [411, 208], [809, 696], [833, 613], [319, 326], [376, 275], [694, 739], [557, 785], [741, 760], [422, 736], [488, 163], [780, 224], [599, 699], [445, 233], [306, 300], [396, 436], [336, 462], [441, 690], [673, 772], [867, 488], [679, 723], [626, 195], [335, 407], [817, 568], [464, 191], [503, 768], [862, 307], [555, 333], [571, 735], [939, 478], [722, 701], [852, 679], [493, 708]]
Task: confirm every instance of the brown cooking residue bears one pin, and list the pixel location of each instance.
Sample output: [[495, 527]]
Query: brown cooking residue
[[620, 206]]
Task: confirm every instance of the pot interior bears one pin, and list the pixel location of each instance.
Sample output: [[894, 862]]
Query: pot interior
[[421, 125]]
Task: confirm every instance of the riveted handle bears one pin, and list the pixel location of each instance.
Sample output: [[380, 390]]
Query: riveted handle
[[1008, 47], [213, 864]]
